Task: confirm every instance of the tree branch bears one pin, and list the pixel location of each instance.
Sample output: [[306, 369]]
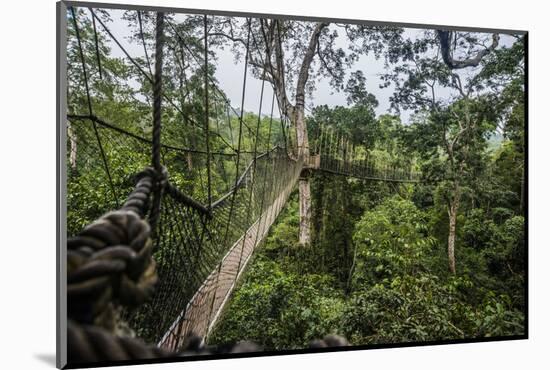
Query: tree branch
[[306, 63], [329, 70], [445, 38]]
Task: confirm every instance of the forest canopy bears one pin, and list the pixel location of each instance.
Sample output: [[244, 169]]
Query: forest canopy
[[439, 257]]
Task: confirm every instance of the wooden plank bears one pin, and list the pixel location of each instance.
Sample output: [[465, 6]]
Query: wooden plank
[[206, 305]]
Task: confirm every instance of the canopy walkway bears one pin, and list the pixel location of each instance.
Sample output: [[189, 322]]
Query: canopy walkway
[[339, 157], [205, 205]]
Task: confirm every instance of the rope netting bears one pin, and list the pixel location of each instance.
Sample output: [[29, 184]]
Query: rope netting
[[334, 152], [204, 181], [220, 192]]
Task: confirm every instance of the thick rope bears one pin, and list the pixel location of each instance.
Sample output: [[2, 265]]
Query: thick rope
[[89, 345], [110, 261]]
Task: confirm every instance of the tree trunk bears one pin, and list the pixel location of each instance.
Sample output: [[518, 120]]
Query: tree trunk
[[73, 151], [298, 117], [453, 211], [304, 183], [301, 132], [189, 161], [318, 211], [305, 211]]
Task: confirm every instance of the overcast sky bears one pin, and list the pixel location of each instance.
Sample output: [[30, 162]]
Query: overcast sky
[[230, 74]]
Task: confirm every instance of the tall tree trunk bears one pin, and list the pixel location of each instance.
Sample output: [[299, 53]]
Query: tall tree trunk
[[298, 117], [453, 211], [305, 211], [304, 187], [318, 211], [301, 129], [189, 161], [72, 150]]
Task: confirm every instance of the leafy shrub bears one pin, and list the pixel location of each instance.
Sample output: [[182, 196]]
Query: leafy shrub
[[280, 310], [478, 231], [391, 240], [412, 308]]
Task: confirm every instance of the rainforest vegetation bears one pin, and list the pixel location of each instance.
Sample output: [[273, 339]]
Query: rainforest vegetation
[[377, 269], [374, 261]]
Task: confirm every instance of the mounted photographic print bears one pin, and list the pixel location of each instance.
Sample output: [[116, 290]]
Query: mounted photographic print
[[235, 184]]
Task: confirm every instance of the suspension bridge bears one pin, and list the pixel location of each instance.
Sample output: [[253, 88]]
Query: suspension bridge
[[171, 209]]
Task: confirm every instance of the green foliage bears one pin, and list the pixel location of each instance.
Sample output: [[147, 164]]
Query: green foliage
[[416, 307], [498, 319], [381, 249], [505, 257], [376, 270], [478, 231], [391, 241], [398, 291], [280, 309]]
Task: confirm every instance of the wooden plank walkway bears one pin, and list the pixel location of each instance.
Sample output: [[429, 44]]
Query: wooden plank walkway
[[206, 305]]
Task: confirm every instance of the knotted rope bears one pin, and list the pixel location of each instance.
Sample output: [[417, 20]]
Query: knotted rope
[[110, 262], [91, 344]]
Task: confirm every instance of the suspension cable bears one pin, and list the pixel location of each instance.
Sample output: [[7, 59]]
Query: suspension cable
[[143, 41], [151, 79], [90, 110], [239, 142], [193, 55], [97, 47]]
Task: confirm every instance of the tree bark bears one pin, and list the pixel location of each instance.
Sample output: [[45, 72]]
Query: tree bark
[[445, 38], [296, 114], [302, 138], [73, 151], [453, 211], [305, 211], [189, 159], [304, 183], [318, 211]]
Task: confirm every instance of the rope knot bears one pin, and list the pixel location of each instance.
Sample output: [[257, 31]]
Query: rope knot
[[161, 177], [152, 173], [109, 261]]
